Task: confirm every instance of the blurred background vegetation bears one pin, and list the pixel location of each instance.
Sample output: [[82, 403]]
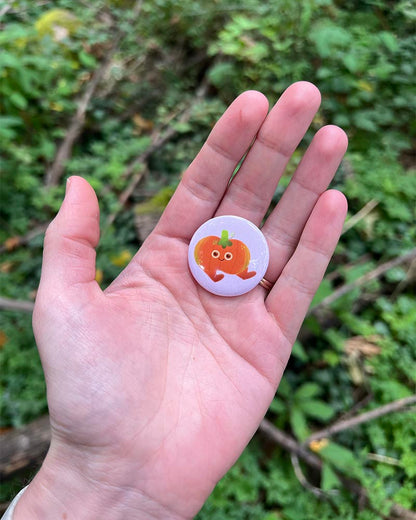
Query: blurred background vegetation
[[124, 93]]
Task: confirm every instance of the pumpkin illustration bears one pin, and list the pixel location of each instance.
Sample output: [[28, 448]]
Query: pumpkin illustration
[[215, 254]]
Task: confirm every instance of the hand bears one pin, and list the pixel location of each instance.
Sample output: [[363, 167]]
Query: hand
[[155, 386]]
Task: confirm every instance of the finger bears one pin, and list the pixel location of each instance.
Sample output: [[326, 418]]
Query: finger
[[252, 189], [284, 226], [69, 254], [204, 183], [293, 292]]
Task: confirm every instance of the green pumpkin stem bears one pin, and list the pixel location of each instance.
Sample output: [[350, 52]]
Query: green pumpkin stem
[[224, 241]]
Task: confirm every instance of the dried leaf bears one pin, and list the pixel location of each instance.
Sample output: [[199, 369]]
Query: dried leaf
[[3, 339], [366, 346], [11, 243], [6, 267], [142, 123]]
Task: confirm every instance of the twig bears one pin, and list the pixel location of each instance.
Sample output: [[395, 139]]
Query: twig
[[345, 267], [14, 242], [357, 406], [139, 163], [385, 460], [158, 139], [410, 275], [346, 424], [126, 194], [364, 211], [4, 9], [402, 513], [56, 171], [362, 280], [290, 444], [16, 305], [304, 481]]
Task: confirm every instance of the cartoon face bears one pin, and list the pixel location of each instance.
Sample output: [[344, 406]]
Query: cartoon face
[[214, 254]]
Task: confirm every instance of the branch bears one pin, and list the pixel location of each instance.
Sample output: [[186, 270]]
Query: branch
[[4, 9], [364, 211], [290, 444], [13, 243], [16, 305], [22, 447], [304, 482], [340, 426], [362, 280], [56, 171], [159, 138]]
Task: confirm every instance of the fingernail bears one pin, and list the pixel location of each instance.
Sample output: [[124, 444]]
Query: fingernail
[[67, 187]]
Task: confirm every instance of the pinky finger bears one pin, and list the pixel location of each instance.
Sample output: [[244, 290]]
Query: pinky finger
[[292, 294]]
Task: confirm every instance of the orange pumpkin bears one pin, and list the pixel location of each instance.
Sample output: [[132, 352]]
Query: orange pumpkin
[[214, 254]]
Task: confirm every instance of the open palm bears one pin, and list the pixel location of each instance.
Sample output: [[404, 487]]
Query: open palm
[[155, 386]]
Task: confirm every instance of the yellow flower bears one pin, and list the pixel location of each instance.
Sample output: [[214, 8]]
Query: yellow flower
[[57, 107], [99, 276], [318, 445], [366, 86], [122, 259], [59, 23]]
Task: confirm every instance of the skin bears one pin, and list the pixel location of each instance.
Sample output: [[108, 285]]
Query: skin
[[156, 386]]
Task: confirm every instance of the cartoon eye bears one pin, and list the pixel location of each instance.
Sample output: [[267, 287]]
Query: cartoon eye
[[215, 254], [228, 256]]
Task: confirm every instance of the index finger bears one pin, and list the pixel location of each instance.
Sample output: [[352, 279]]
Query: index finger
[[205, 181]]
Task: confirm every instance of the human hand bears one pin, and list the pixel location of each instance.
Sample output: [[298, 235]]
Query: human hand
[[155, 386]]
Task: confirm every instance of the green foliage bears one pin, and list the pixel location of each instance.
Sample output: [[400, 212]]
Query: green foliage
[[361, 55], [21, 380]]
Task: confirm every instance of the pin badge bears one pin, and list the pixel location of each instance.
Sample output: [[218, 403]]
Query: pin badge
[[228, 255]]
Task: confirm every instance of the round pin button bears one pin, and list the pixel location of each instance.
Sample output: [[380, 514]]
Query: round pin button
[[228, 255]]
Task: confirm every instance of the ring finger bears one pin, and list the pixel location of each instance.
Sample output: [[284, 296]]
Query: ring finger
[[250, 192], [285, 225]]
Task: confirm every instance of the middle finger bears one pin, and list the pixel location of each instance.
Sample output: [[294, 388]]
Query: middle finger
[[250, 192]]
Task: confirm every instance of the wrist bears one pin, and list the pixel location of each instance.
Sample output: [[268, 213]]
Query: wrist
[[65, 489]]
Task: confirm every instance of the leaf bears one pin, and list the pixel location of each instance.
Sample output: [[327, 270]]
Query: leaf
[[277, 406], [299, 352], [18, 100], [56, 18], [298, 423], [366, 346], [329, 479], [340, 457], [317, 409], [87, 59], [328, 37], [307, 390], [324, 290], [389, 40]]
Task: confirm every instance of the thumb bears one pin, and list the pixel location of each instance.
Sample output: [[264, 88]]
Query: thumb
[[69, 254]]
